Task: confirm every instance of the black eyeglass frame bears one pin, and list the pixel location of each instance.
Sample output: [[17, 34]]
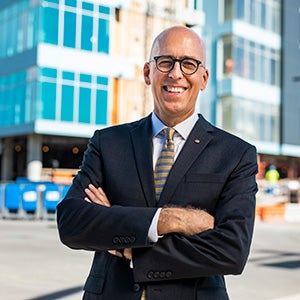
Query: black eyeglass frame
[[174, 60]]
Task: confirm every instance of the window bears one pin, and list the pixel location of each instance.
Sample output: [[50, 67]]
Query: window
[[87, 33], [250, 60], [103, 36], [67, 103], [68, 96], [72, 3], [249, 119], [48, 100], [50, 25], [227, 56], [101, 107], [228, 10], [69, 29], [261, 13], [84, 105], [87, 6]]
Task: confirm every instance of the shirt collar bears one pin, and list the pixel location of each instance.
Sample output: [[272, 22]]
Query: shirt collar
[[184, 128]]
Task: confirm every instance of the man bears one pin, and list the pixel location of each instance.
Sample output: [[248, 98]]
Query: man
[[176, 240]]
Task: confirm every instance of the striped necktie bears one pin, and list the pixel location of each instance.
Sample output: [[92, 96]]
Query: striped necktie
[[164, 162]]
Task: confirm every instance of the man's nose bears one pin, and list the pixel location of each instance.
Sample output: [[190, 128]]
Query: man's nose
[[176, 72]]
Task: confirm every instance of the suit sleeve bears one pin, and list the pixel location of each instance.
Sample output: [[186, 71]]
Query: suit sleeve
[[90, 226], [220, 251]]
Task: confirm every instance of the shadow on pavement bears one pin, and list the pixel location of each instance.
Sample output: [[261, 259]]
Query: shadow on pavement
[[281, 259], [59, 294]]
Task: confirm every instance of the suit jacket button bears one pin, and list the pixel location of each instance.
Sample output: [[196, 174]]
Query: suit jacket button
[[150, 275], [116, 240], [136, 287], [168, 274], [162, 274], [156, 275]]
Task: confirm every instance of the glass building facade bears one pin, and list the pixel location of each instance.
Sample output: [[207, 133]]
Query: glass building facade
[[56, 92], [246, 75], [54, 80]]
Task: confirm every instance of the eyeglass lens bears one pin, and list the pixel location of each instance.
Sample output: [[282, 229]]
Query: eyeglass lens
[[187, 65]]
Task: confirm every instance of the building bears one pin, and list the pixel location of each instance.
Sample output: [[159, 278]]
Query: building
[[68, 67], [290, 108], [254, 89]]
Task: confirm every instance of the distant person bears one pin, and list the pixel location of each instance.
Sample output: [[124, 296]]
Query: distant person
[[161, 234], [272, 175]]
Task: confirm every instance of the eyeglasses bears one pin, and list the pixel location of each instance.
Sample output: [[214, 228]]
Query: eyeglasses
[[166, 63]]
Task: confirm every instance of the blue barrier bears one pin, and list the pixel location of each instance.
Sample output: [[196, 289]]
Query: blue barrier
[[12, 199], [1, 198], [51, 197], [29, 198], [12, 196]]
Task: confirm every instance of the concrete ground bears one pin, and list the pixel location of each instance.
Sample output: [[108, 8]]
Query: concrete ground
[[34, 265]]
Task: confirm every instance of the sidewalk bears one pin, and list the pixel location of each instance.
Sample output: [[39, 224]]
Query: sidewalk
[[36, 266]]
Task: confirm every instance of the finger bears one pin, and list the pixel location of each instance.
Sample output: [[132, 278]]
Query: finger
[[97, 195], [103, 197], [94, 198], [127, 253], [87, 200]]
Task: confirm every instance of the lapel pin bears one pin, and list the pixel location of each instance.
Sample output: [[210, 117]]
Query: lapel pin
[[197, 141]]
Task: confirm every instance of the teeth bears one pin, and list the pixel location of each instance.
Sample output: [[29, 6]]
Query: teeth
[[174, 89]]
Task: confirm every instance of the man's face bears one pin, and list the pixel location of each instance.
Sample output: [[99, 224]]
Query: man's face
[[175, 94]]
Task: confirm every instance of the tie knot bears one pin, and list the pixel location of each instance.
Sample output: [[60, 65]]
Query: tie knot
[[168, 133]]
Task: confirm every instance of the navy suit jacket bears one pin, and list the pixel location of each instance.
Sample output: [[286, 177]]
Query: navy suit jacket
[[214, 171]]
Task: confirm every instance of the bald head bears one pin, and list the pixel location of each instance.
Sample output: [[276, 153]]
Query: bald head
[[177, 34]]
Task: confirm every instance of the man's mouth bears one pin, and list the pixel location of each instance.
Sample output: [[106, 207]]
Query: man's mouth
[[174, 89]]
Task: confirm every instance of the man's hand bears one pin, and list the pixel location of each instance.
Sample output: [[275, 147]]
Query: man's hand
[[188, 221], [97, 195]]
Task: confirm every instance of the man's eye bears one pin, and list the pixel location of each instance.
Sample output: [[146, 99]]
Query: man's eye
[[189, 64], [165, 62]]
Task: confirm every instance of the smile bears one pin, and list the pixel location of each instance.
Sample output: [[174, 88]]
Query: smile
[[174, 89]]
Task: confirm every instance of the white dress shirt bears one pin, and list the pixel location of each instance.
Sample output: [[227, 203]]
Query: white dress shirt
[[182, 131]]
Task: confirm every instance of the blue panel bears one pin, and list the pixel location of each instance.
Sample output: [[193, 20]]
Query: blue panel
[[48, 72], [53, 1], [12, 196], [87, 6], [104, 10], [48, 100], [102, 80], [68, 75], [29, 198], [86, 33], [72, 3], [101, 107], [1, 197], [51, 197], [103, 36], [50, 25], [70, 29], [84, 105], [67, 103], [85, 78], [20, 96]]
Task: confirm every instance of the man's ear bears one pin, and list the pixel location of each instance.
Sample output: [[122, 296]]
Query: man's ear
[[146, 71], [205, 76]]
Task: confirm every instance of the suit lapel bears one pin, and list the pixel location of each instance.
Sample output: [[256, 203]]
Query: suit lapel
[[198, 139], [141, 137]]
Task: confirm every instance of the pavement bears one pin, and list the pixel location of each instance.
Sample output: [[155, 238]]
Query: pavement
[[34, 265]]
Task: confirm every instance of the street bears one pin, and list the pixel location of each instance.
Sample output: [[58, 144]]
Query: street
[[36, 266]]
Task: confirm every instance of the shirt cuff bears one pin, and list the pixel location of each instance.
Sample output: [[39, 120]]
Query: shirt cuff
[[152, 233]]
